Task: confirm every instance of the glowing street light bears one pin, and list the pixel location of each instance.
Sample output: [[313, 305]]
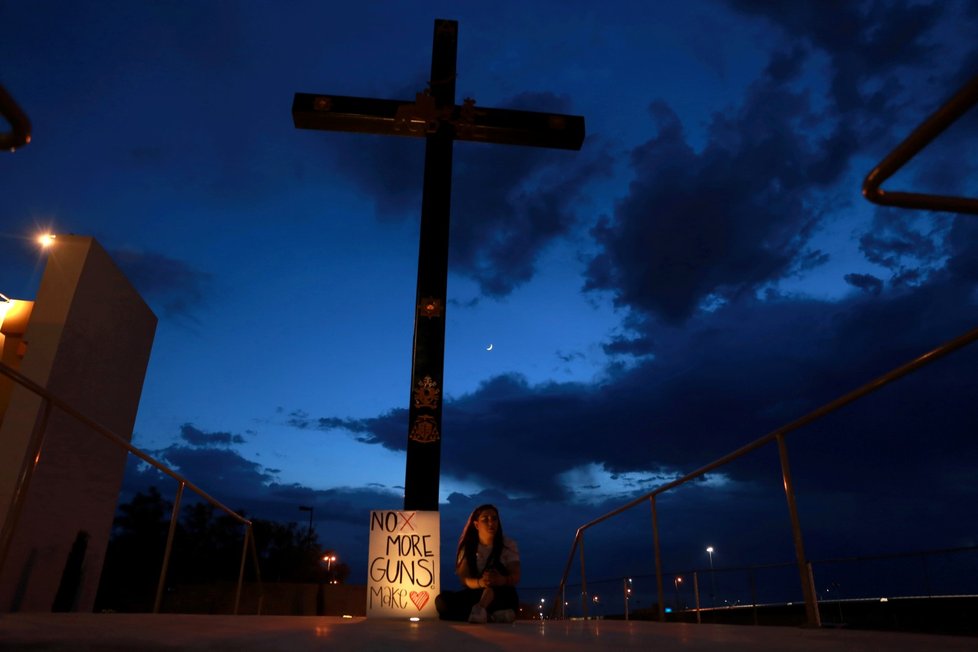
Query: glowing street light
[[46, 240], [713, 579], [329, 558]]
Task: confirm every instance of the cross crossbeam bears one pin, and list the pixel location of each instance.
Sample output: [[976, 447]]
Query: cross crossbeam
[[422, 118]]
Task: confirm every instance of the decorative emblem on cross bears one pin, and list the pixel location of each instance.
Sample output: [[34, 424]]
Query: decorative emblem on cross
[[424, 430], [426, 393], [430, 308]]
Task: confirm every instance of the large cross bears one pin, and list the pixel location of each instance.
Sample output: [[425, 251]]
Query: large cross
[[435, 117]]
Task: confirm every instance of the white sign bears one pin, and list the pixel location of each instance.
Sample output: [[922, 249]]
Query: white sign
[[402, 576]]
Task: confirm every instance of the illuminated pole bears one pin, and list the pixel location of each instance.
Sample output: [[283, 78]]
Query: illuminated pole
[[676, 582], [713, 579], [626, 589]]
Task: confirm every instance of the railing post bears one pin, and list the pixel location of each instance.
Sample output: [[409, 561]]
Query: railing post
[[174, 518], [583, 581], [811, 582], [244, 556], [658, 560], [753, 593], [807, 586], [254, 556], [31, 458], [696, 595], [928, 591]]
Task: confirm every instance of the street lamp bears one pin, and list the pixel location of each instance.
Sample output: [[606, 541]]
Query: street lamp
[[626, 589], [329, 558], [676, 582], [713, 579]]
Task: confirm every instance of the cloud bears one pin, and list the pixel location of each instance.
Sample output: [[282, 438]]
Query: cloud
[[251, 488], [508, 202], [963, 250], [899, 239], [727, 378], [865, 282], [169, 285], [341, 515], [221, 466], [387, 429], [718, 224], [198, 438], [864, 41], [701, 228]]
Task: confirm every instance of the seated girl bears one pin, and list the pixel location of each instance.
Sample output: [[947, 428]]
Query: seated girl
[[488, 564]]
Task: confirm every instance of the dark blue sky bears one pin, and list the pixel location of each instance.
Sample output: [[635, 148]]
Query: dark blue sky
[[701, 272]]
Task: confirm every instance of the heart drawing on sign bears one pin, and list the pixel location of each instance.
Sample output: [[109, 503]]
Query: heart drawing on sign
[[419, 598]]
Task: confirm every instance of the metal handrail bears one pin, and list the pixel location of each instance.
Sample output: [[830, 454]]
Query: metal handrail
[[30, 461], [20, 133], [923, 586], [775, 435], [927, 131]]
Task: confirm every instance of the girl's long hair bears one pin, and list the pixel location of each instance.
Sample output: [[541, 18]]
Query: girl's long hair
[[468, 543]]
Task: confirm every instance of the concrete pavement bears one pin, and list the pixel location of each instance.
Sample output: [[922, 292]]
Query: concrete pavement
[[151, 633]]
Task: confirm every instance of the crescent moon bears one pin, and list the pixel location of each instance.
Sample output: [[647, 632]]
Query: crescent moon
[[489, 348]]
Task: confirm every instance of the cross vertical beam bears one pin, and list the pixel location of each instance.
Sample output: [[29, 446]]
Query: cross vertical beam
[[421, 481], [435, 117]]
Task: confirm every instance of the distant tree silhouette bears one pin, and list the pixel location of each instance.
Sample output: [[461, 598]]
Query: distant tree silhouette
[[287, 552], [207, 548], [135, 554]]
